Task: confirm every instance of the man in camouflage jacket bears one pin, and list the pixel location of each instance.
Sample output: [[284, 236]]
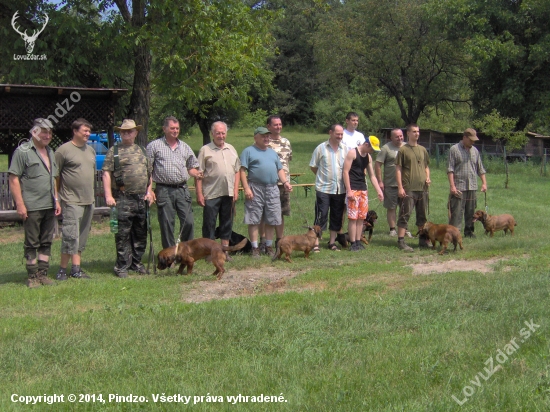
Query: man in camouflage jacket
[[128, 187]]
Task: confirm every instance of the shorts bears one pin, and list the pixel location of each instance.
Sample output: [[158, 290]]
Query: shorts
[[265, 205], [285, 201], [359, 206], [77, 221], [391, 199]]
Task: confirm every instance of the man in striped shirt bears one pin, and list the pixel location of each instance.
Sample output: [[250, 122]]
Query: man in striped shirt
[[173, 164], [463, 168], [327, 163]]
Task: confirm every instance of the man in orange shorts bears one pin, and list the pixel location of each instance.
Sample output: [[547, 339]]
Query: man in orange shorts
[[358, 162]]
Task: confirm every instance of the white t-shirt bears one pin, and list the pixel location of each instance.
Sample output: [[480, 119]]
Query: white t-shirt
[[352, 140]]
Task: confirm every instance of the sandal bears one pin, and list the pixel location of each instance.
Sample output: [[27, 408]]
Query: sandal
[[316, 249], [333, 247]]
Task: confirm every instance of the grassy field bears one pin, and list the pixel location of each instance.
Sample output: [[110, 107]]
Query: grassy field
[[352, 332]]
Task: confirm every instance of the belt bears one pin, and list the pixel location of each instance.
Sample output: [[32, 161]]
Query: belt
[[177, 185]]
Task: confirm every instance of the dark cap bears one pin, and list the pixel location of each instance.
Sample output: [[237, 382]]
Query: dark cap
[[261, 130]]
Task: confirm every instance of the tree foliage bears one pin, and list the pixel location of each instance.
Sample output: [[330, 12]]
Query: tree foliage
[[396, 46]]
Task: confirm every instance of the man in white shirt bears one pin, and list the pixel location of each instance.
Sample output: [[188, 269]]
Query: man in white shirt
[[352, 138]]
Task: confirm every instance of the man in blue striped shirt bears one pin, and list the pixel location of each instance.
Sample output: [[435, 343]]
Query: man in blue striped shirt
[[327, 162]]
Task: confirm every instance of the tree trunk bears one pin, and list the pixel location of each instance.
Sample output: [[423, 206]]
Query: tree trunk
[[141, 92], [203, 126]]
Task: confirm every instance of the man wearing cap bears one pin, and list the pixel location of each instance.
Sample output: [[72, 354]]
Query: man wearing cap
[[127, 184], [283, 149], [218, 191], [260, 189], [413, 177], [32, 174], [352, 138], [462, 170], [388, 184], [174, 163], [327, 162], [75, 184], [357, 162]]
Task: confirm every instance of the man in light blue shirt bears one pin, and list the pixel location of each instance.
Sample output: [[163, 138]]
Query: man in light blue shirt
[[262, 197]]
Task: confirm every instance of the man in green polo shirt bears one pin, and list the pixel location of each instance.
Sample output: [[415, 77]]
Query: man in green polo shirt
[[32, 174]]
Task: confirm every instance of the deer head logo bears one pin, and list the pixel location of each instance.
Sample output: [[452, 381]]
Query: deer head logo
[[29, 40]]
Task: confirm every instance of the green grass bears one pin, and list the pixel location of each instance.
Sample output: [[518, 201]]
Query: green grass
[[358, 332]]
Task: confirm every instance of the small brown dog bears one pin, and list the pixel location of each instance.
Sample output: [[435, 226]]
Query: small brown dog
[[444, 234], [304, 243], [196, 249], [494, 223]]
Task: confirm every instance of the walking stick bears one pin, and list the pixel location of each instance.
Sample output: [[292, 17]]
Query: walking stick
[[151, 247]]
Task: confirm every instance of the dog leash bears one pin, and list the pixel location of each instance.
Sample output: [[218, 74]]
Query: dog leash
[[151, 247], [486, 207]]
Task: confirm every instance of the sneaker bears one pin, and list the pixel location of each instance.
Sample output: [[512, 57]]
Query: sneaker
[[355, 248], [424, 243], [33, 282], [408, 234], [393, 233], [269, 251], [42, 277], [255, 252], [404, 247], [361, 246], [80, 275], [61, 275], [139, 268]]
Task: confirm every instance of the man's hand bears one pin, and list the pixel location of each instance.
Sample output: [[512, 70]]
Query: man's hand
[[110, 201], [381, 195], [401, 193], [288, 186], [381, 184], [22, 211], [57, 208], [200, 200], [484, 187], [248, 194], [196, 173], [150, 197]]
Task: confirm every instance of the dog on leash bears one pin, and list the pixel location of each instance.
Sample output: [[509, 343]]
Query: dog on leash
[[368, 226], [305, 243], [235, 239], [444, 234], [189, 252], [495, 223]]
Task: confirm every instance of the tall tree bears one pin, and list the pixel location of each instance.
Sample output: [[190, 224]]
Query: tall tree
[[393, 45], [509, 48], [209, 53]]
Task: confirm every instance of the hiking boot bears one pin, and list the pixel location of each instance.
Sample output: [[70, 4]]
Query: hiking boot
[[403, 246], [262, 247], [33, 282], [61, 275], [139, 268], [424, 242], [121, 273], [393, 233], [255, 252], [80, 275], [269, 251], [408, 234], [42, 277]]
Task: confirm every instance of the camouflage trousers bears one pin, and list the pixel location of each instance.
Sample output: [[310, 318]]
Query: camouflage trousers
[[131, 239]]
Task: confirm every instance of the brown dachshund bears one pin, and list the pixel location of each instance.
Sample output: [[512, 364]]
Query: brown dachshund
[[496, 222], [193, 250], [304, 243], [444, 234]]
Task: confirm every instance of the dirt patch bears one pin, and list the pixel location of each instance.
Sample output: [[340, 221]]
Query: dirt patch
[[483, 266], [237, 283]]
